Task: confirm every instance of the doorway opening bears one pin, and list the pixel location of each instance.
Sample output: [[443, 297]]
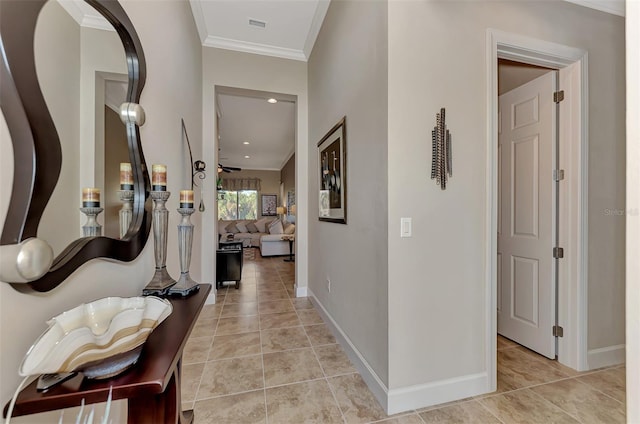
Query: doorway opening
[[571, 64], [256, 178]]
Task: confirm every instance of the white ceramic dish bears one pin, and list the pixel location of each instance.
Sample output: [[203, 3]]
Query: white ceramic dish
[[91, 333]]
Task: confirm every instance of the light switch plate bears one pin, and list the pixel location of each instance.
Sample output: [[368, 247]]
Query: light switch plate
[[405, 227]]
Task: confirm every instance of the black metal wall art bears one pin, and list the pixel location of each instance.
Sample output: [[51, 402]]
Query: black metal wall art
[[441, 162]]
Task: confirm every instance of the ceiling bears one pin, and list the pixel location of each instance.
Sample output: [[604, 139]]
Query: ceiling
[[280, 28], [246, 117]]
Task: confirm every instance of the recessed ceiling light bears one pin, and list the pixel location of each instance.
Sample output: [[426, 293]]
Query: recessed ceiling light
[[245, 142], [247, 156], [272, 100]]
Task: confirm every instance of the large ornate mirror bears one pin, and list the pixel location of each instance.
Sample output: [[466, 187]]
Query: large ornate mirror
[[39, 158]]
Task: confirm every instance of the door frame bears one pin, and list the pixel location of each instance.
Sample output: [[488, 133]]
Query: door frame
[[572, 297]]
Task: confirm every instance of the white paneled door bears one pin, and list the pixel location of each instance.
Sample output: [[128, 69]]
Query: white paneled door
[[526, 215]]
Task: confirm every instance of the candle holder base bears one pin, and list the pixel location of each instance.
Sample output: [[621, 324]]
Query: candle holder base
[[159, 284], [185, 286]]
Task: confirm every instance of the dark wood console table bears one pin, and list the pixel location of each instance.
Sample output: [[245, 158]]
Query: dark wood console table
[[152, 386]]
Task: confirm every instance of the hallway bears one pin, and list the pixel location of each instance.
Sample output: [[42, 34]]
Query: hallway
[[260, 355]]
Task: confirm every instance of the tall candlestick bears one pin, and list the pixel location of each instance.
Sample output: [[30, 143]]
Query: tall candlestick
[[126, 177], [90, 197], [186, 198], [185, 285], [159, 177], [161, 281]]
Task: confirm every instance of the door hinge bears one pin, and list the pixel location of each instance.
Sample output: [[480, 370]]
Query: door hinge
[[558, 331], [558, 252], [558, 174], [558, 96]]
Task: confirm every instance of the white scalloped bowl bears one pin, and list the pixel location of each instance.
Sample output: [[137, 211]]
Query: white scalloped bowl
[[93, 332]]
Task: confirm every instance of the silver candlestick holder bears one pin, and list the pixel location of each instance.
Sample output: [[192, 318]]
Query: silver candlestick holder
[[91, 228], [161, 281], [126, 212], [185, 285]]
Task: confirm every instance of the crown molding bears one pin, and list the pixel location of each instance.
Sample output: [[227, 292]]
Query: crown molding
[[255, 48], [316, 25], [614, 7], [79, 11]]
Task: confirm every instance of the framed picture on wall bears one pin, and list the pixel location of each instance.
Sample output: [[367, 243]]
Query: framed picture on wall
[[332, 169], [269, 204]]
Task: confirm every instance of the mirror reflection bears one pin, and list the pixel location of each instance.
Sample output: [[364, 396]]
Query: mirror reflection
[[82, 72]]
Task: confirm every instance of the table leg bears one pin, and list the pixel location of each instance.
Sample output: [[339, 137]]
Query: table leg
[[290, 258], [165, 407]]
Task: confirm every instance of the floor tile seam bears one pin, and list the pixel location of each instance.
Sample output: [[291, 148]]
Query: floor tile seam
[[264, 379], [310, 380], [278, 328], [407, 414], [544, 399], [488, 410], [238, 316], [243, 392], [233, 357], [597, 389], [326, 379], [541, 359], [295, 349], [445, 405]]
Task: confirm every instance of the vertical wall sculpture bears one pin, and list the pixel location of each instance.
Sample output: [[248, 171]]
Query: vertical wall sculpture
[[441, 162]]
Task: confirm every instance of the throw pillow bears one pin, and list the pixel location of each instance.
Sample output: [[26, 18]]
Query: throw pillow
[[251, 227], [262, 224], [242, 227], [290, 229], [276, 227], [231, 228], [221, 228]]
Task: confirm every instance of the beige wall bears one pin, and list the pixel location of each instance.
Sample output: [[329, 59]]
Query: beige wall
[[633, 204], [173, 90], [242, 70], [348, 77], [115, 136], [437, 277], [57, 53]]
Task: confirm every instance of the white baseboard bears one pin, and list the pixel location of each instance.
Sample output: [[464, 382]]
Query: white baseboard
[[375, 384], [606, 356], [406, 398], [211, 298], [423, 395], [300, 291]]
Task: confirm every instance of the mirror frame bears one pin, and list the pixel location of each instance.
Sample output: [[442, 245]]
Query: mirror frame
[[36, 145]]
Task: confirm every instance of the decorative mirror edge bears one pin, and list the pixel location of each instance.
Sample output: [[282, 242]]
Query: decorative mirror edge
[[33, 134]]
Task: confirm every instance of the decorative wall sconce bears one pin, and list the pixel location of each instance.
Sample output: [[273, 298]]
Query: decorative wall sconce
[[441, 161], [198, 168]]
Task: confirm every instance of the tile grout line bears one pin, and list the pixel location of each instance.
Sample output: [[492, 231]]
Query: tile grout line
[[326, 379], [195, 398], [544, 399], [483, 406]]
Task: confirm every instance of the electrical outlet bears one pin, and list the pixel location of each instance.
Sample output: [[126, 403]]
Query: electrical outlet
[[328, 285]]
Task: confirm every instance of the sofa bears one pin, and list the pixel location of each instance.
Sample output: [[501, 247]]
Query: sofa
[[265, 234]]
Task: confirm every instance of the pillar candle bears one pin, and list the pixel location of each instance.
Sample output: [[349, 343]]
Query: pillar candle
[[126, 177], [90, 197], [159, 177], [186, 198]]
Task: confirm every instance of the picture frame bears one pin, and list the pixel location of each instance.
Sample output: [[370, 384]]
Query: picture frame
[[332, 171], [269, 203]]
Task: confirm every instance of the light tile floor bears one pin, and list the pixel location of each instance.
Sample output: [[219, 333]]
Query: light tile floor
[[260, 355]]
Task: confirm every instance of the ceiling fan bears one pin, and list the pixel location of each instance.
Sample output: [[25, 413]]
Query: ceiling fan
[[222, 168]]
